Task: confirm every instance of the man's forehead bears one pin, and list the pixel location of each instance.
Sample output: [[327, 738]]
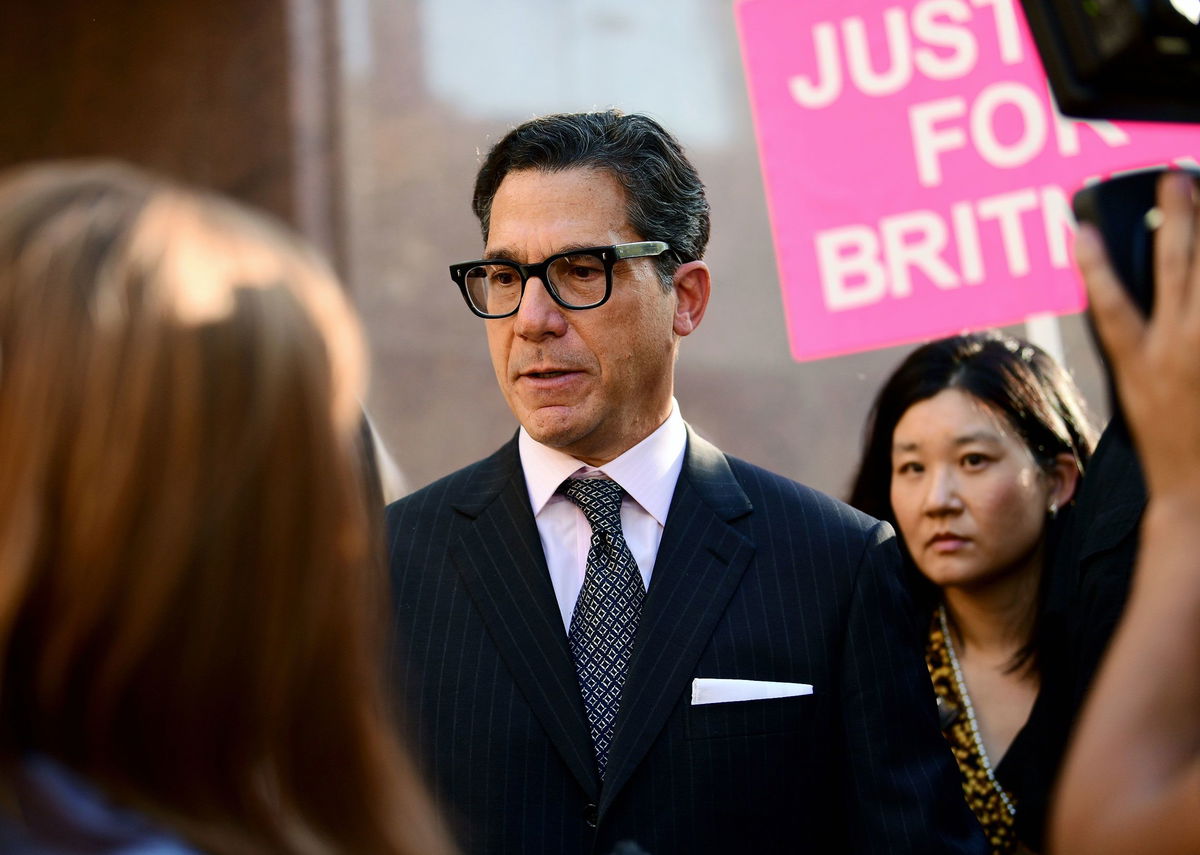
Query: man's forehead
[[571, 208]]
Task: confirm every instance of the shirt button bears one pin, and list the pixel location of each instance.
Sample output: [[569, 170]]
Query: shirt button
[[590, 815]]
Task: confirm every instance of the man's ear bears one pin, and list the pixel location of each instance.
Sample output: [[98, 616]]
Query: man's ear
[[693, 284]]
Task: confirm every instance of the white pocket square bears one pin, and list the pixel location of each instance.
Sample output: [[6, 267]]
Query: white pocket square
[[714, 690]]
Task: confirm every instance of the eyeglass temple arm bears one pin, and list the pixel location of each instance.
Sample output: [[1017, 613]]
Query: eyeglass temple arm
[[640, 249]]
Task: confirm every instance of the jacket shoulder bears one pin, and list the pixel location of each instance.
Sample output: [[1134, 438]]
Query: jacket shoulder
[[474, 484], [772, 494]]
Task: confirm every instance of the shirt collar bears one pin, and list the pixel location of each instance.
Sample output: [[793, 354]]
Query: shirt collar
[[648, 472]]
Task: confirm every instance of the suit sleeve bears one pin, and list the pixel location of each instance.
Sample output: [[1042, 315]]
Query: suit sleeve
[[903, 790]]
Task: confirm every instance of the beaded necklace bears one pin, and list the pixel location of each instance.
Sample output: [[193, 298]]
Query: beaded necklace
[[965, 696]]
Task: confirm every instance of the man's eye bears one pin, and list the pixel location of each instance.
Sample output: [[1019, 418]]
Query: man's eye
[[504, 278], [581, 267]]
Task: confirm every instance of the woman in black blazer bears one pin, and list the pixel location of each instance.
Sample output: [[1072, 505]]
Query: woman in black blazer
[[973, 452]]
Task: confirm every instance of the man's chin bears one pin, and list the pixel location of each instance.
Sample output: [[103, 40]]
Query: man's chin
[[561, 437], [561, 428]]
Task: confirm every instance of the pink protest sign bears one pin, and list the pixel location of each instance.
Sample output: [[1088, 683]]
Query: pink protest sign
[[917, 173]]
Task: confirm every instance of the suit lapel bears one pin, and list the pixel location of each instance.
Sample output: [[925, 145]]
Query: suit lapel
[[700, 561], [500, 560]]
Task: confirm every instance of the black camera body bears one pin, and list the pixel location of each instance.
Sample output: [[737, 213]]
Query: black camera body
[[1124, 210], [1135, 60], [1120, 59]]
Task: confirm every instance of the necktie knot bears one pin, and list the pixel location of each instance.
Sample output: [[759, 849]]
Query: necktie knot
[[600, 501]]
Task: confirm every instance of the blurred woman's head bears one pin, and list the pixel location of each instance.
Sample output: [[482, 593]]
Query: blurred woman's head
[[188, 615], [973, 444]]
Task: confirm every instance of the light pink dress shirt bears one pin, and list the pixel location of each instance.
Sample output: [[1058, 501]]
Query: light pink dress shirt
[[647, 472]]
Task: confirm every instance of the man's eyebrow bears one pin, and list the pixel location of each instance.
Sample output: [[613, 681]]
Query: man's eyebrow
[[506, 254], [575, 247], [501, 254]]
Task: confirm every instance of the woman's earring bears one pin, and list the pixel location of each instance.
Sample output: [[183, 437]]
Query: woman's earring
[[1053, 510]]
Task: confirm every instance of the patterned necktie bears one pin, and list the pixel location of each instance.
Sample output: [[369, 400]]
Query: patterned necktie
[[606, 615]]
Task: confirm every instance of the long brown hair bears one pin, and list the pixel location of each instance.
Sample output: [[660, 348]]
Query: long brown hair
[[190, 615]]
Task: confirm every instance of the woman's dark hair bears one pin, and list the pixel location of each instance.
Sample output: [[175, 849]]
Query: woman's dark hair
[[1018, 380]]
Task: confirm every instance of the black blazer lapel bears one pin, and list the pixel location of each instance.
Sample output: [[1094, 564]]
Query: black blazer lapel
[[500, 560], [700, 561]]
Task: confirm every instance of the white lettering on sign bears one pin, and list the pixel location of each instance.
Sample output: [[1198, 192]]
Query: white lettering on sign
[[862, 265], [936, 129], [1008, 32], [1060, 224], [929, 141], [966, 236], [829, 72], [1006, 209], [851, 274], [858, 55], [1033, 125], [933, 38], [915, 241], [964, 51]]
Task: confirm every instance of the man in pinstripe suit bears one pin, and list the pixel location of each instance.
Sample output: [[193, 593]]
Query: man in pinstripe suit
[[772, 696]]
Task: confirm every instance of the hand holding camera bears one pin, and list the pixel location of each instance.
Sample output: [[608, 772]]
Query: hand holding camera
[[1156, 360], [1132, 773]]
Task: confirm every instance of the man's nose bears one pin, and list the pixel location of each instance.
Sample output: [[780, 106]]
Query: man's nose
[[538, 315]]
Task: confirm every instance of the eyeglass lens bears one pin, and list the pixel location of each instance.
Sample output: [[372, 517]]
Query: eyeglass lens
[[579, 280]]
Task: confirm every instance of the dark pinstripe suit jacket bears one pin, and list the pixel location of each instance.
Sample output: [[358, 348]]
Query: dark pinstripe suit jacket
[[758, 578]]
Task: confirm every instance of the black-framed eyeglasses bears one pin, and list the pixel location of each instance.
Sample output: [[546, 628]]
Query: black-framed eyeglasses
[[577, 279]]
